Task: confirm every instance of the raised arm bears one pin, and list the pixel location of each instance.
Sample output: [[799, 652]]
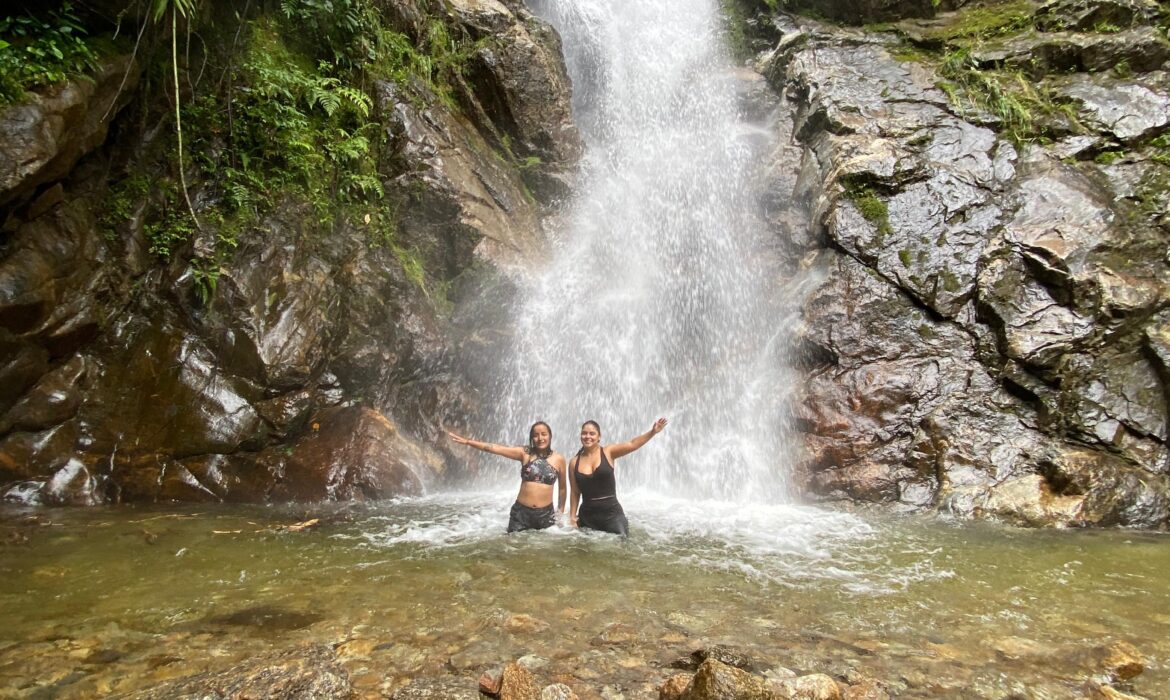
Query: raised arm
[[509, 451], [624, 448]]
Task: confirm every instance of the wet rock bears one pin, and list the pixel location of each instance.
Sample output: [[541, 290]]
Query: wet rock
[[520, 81], [1099, 691], [717, 681], [1141, 49], [192, 409], [866, 11], [1128, 111], [51, 273], [1118, 660], [490, 681], [354, 453], [270, 317], [52, 129], [524, 624], [616, 634], [866, 689], [265, 619], [1028, 500], [816, 686], [557, 691], [443, 688], [459, 199], [727, 655], [1033, 327], [52, 401], [22, 365], [299, 674], [1086, 15], [518, 683], [674, 687]]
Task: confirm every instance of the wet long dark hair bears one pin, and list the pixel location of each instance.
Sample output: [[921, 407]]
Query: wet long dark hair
[[595, 425], [531, 448]]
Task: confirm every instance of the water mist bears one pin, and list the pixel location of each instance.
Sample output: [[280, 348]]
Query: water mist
[[655, 300]]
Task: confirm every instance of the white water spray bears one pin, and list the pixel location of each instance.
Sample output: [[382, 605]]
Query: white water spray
[[655, 301]]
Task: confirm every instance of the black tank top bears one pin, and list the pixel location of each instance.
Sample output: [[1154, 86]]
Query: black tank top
[[599, 484]]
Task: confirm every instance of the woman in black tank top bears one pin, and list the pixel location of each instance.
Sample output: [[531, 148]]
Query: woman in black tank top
[[594, 504], [540, 468]]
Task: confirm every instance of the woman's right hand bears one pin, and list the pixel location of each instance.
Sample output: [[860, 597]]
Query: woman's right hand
[[458, 438]]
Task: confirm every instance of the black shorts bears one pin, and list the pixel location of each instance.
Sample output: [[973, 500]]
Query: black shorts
[[604, 514], [523, 517]]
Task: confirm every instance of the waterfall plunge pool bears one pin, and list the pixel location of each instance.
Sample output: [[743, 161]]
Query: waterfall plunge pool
[[103, 601]]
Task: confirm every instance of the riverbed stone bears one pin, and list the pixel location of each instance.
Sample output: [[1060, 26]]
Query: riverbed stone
[[557, 691], [518, 683], [717, 681], [312, 673], [442, 688], [674, 687], [815, 686]]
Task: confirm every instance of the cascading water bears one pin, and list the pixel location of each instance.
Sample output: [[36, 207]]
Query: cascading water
[[655, 301]]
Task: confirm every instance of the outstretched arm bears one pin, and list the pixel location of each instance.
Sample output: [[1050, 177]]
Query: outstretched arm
[[509, 451], [624, 448]]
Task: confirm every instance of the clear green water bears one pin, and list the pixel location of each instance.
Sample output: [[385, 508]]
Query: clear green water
[[101, 601]]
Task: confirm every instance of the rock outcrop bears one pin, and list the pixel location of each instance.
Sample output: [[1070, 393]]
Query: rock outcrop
[[985, 337], [314, 361]]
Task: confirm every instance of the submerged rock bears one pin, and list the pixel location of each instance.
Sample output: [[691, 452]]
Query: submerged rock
[[299, 674]]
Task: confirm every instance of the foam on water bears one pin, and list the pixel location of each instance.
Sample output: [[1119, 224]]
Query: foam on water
[[780, 544]]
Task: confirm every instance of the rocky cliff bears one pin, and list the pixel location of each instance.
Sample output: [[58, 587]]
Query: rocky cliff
[[986, 192], [293, 333]]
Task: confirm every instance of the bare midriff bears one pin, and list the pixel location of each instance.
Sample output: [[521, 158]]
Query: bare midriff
[[535, 494]]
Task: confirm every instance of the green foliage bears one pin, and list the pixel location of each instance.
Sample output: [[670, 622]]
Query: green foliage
[[872, 208], [122, 203], [1010, 96], [36, 52], [985, 22], [1106, 28], [1109, 157], [170, 227], [206, 275], [295, 128], [1161, 150]]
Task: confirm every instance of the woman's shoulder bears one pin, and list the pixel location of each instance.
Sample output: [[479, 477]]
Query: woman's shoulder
[[556, 458]]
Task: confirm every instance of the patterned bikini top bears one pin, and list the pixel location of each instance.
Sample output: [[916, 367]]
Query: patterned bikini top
[[539, 470]]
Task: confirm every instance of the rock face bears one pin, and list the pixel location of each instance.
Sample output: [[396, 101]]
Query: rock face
[[986, 337], [311, 363]]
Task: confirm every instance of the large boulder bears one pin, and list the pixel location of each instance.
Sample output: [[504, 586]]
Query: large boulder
[[47, 134]]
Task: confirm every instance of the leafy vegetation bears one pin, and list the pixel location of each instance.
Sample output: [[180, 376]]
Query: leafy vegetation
[[289, 120], [870, 206], [35, 52], [982, 22]]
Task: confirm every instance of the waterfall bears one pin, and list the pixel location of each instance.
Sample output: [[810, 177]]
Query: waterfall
[[657, 298]]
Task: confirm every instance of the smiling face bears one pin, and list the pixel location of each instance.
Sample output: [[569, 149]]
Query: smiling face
[[539, 436], [590, 434]]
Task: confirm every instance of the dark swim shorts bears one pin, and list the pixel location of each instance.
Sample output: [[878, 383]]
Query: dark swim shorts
[[524, 518], [604, 514]]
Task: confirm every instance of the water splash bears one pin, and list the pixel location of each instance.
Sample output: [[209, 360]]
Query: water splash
[[655, 301]]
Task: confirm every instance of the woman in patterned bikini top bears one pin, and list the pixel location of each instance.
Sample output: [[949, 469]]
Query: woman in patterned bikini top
[[540, 468]]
